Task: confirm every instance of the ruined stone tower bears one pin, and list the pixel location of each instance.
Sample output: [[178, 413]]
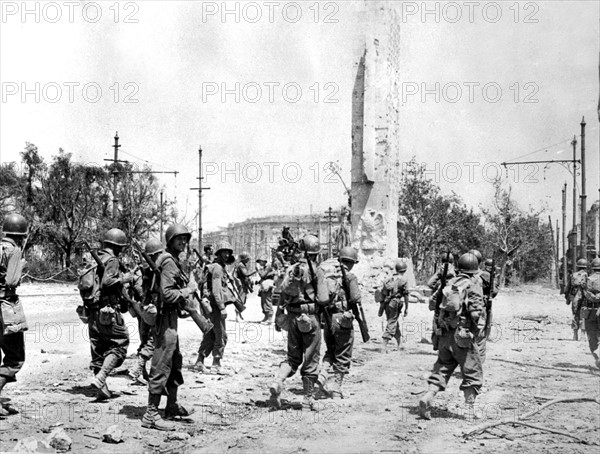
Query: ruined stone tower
[[375, 134]]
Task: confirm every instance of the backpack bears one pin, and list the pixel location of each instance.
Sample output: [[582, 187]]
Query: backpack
[[333, 280], [455, 295], [579, 279], [88, 283]]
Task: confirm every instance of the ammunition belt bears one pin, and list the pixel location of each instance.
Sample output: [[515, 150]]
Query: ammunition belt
[[302, 308], [591, 305]]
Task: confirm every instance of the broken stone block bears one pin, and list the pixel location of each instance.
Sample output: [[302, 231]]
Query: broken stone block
[[59, 439], [31, 444], [112, 435]]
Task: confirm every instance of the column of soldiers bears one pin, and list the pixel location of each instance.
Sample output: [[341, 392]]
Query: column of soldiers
[[313, 304]]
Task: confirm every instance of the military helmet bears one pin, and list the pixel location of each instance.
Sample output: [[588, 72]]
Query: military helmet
[[116, 237], [262, 258], [582, 263], [349, 253], [244, 256], [446, 256], [177, 230], [596, 264], [153, 246], [489, 262], [207, 247], [14, 224], [401, 266], [477, 254], [310, 244], [223, 246], [468, 263]]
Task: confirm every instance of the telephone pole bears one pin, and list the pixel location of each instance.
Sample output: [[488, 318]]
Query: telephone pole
[[564, 227], [199, 189], [583, 195], [330, 214], [116, 146], [574, 249], [161, 215]]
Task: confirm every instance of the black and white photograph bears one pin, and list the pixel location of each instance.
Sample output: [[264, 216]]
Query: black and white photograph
[[354, 226]]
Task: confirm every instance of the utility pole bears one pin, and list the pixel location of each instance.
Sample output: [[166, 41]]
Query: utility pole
[[199, 189], [583, 195], [161, 215], [330, 214], [564, 227], [574, 249], [116, 146]]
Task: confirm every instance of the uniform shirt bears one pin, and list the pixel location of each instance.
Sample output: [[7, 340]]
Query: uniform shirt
[[172, 290], [485, 277], [395, 288], [299, 288], [243, 275], [352, 286], [11, 265], [266, 273], [111, 278], [571, 288], [215, 284]]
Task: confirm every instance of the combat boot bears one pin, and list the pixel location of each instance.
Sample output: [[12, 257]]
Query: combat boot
[[136, 371], [308, 403], [470, 396], [3, 411], [216, 365], [385, 345], [426, 400], [336, 388], [277, 386], [99, 381], [322, 386], [173, 409], [152, 419], [199, 365]]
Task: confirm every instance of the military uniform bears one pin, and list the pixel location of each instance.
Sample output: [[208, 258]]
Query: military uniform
[[216, 339], [12, 345], [267, 277], [574, 297], [590, 312], [395, 295], [339, 339], [142, 292], [492, 290], [303, 296], [243, 275]]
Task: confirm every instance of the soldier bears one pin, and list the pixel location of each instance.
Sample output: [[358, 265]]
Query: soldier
[[490, 290], [208, 256], [267, 277], [460, 321], [165, 370], [303, 293], [216, 339], [574, 294], [146, 292], [339, 338], [109, 337], [590, 311], [393, 292], [242, 275], [12, 339], [434, 281]]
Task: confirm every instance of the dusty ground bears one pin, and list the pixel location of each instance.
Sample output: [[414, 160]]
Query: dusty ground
[[527, 362]]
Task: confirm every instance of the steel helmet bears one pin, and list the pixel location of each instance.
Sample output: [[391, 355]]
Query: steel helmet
[[468, 263], [153, 246], [177, 230], [244, 257], [596, 264], [477, 254], [488, 262], [582, 263], [116, 237], [310, 244], [349, 253], [262, 258], [14, 224], [223, 246], [207, 247], [401, 266]]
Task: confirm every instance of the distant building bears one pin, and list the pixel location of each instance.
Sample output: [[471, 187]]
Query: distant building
[[592, 231]]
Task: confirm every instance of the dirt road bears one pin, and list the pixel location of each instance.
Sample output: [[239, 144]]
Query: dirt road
[[531, 358]]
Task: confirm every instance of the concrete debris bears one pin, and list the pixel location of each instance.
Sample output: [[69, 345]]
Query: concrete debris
[[59, 439], [31, 444], [112, 435]]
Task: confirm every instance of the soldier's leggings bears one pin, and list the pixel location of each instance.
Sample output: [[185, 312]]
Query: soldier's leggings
[[392, 327], [12, 354], [304, 348], [216, 339], [111, 339], [451, 355], [576, 309], [167, 361], [339, 347], [146, 348], [266, 302], [592, 329]]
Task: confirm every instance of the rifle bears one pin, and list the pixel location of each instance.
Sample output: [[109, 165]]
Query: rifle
[[356, 307], [488, 300], [324, 310], [202, 321], [95, 256], [439, 296]]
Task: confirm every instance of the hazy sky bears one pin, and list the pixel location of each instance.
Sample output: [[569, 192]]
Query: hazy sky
[[178, 57]]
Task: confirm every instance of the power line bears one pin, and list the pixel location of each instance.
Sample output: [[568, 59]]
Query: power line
[[541, 149]]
